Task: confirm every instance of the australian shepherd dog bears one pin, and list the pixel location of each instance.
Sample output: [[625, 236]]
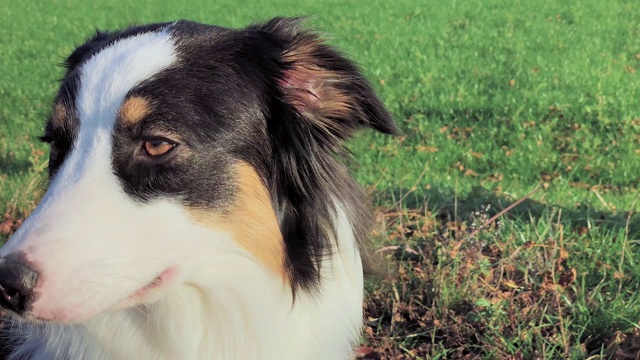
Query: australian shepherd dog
[[198, 205]]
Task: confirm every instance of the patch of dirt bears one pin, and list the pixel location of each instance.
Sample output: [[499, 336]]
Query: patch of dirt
[[623, 346]]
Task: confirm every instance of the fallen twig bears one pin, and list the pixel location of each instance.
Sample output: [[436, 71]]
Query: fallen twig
[[504, 211]]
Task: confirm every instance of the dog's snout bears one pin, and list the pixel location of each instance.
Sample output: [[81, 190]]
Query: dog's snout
[[17, 281]]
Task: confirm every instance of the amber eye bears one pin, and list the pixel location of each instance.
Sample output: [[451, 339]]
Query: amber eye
[[158, 147]]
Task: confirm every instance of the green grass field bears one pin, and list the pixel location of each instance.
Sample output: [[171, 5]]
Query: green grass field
[[495, 99]]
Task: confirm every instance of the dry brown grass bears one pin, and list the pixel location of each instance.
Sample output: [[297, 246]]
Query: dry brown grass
[[499, 291]]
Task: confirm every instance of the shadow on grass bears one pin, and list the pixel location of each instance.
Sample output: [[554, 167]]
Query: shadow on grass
[[450, 207], [12, 167]]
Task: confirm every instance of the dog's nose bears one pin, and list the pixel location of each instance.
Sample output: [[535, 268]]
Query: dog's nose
[[17, 281]]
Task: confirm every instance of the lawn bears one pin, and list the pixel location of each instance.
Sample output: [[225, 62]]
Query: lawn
[[527, 103]]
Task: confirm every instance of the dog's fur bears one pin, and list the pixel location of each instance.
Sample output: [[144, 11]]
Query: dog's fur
[[243, 241]]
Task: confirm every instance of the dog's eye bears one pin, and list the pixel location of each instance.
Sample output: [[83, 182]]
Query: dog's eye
[[158, 147]]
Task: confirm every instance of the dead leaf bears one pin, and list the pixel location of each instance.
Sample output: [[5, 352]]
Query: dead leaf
[[567, 278], [426, 149]]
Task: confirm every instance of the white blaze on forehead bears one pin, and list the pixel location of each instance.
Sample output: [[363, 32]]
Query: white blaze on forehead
[[107, 77], [105, 80]]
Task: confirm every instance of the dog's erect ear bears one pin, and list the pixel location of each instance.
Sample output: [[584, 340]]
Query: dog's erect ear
[[82, 52], [323, 86]]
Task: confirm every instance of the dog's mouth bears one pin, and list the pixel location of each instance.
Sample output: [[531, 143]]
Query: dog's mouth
[[149, 293], [157, 283]]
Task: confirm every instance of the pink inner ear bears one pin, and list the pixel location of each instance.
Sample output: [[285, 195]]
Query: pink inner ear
[[299, 89]]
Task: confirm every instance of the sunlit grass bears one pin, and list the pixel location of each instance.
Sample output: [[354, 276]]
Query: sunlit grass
[[494, 99]]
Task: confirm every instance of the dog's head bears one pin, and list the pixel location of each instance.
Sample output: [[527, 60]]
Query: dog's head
[[181, 148]]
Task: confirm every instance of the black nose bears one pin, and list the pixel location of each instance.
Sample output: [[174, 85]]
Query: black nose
[[17, 281]]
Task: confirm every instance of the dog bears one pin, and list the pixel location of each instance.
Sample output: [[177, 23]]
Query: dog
[[198, 204]]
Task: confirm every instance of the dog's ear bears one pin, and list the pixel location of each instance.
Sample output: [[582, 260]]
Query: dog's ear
[[325, 88], [316, 99], [82, 52]]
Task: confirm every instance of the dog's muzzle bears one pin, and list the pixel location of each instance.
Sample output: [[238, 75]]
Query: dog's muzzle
[[18, 279]]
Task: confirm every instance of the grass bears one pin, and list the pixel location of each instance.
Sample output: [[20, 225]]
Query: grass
[[539, 283], [495, 99]]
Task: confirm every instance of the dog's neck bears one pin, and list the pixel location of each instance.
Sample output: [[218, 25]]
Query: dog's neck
[[254, 316]]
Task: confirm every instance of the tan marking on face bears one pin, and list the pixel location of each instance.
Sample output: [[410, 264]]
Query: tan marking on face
[[133, 110], [251, 220]]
